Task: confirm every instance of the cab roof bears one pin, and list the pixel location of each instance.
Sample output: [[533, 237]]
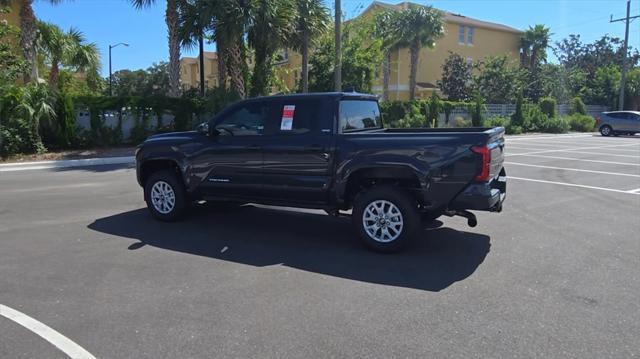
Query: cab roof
[[352, 95]]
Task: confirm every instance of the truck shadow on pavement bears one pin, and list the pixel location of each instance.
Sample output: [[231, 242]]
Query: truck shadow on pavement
[[307, 241]]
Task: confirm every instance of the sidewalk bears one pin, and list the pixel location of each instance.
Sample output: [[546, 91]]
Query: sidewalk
[[65, 159]]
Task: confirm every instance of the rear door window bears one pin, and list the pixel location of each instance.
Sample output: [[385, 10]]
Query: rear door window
[[618, 115], [299, 116], [357, 115]]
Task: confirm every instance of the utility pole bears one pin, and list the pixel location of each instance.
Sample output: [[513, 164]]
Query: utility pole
[[201, 63], [338, 60], [623, 73]]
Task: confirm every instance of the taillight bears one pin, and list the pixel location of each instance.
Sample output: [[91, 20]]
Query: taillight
[[485, 170]]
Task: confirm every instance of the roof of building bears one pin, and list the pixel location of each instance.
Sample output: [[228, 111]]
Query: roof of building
[[448, 16], [207, 55]]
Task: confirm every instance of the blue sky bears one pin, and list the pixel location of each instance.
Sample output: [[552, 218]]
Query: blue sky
[[111, 21]]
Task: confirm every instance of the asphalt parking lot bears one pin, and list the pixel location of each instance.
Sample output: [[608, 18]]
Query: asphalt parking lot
[[556, 274]]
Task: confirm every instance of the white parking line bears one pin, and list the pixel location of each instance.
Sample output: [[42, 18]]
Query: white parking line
[[585, 152], [573, 143], [573, 185], [575, 159], [61, 342], [624, 150], [607, 154], [524, 138], [637, 190], [571, 149], [572, 169]]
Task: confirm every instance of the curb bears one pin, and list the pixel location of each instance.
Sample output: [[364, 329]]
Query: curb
[[40, 165]]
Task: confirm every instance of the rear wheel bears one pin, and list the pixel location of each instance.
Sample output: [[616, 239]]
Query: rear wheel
[[165, 196], [386, 218], [606, 130]]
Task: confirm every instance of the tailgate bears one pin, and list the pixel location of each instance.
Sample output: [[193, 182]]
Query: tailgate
[[496, 145]]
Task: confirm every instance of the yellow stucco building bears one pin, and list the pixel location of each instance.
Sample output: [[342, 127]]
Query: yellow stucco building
[[13, 16], [470, 38], [190, 71]]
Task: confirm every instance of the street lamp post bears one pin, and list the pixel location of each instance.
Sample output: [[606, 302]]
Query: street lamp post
[[110, 75]]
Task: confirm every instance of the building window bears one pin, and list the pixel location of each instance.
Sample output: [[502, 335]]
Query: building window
[[470, 33], [282, 56], [461, 34]]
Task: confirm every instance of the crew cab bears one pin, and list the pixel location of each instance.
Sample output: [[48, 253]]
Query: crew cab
[[327, 151]]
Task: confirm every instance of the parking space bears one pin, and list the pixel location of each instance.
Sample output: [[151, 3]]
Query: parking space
[[590, 162], [553, 275]]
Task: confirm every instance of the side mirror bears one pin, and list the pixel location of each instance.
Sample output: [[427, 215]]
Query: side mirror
[[203, 128]]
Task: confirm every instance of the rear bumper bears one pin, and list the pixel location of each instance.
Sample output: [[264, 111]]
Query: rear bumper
[[487, 196]]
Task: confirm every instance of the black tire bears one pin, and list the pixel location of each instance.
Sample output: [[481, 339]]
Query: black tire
[[403, 202], [606, 130], [180, 199]]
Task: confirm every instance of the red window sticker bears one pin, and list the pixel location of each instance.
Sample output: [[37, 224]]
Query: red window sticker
[[287, 117]]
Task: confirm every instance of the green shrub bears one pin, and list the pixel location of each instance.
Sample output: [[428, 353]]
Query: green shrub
[[514, 130], [23, 111], [532, 118], [393, 111], [581, 123], [554, 125], [577, 107], [433, 110], [517, 119], [447, 107], [548, 106], [66, 121], [476, 113], [497, 121], [505, 122], [462, 122], [415, 121]]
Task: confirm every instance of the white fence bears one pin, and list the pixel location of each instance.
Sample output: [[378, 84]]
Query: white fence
[[110, 119], [506, 110]]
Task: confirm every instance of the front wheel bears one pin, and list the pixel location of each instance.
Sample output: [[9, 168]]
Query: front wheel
[[165, 197], [386, 218], [606, 130]]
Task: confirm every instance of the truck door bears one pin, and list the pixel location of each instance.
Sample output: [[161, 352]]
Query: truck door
[[298, 154], [230, 165]]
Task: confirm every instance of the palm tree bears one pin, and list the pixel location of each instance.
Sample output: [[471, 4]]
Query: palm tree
[[311, 21], [28, 34], [533, 45], [386, 26], [270, 24], [66, 49], [418, 26], [229, 26], [172, 20], [195, 18]]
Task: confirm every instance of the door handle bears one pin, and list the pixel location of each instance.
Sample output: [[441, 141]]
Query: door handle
[[314, 148], [255, 147]]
